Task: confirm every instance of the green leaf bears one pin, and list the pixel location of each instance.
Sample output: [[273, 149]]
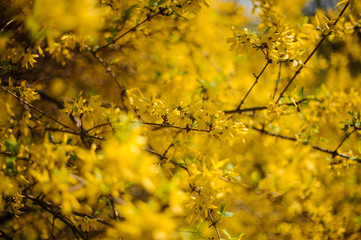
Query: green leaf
[[51, 138], [10, 161], [109, 39], [238, 236], [228, 214], [12, 146], [226, 233], [222, 207], [97, 212], [299, 93], [73, 157], [266, 31], [345, 128]]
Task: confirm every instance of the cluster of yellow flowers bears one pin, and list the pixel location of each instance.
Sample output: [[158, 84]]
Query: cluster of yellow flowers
[[133, 120]]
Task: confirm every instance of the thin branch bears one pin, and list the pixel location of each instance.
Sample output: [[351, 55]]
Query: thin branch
[[345, 137], [112, 74], [9, 154], [332, 153], [255, 82], [166, 151], [62, 218], [214, 223], [155, 153], [45, 96], [278, 81], [107, 68], [311, 54], [128, 31], [33, 107], [74, 133], [254, 109], [5, 236], [52, 227], [7, 24], [115, 211], [51, 205], [187, 128], [208, 57], [98, 126], [164, 157], [254, 218]]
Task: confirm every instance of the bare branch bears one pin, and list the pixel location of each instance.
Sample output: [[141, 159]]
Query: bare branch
[[311, 54], [188, 129], [128, 31], [214, 223], [5, 236], [33, 107], [254, 109], [77, 233], [278, 81], [52, 205], [74, 133], [332, 153], [255, 82], [161, 156], [345, 137]]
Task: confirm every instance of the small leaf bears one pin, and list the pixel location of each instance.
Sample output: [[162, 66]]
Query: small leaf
[[226, 233], [12, 146], [98, 212], [222, 207], [109, 39], [228, 214], [238, 236], [266, 31], [10, 163], [345, 128], [299, 93], [51, 138]]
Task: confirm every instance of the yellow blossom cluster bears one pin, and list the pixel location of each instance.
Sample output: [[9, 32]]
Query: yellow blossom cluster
[[179, 119]]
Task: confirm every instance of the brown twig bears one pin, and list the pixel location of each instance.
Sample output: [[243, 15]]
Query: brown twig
[[162, 125], [311, 54], [33, 107], [77, 233], [128, 31], [255, 82], [214, 223], [344, 138], [98, 126], [254, 109], [109, 70], [278, 81], [51, 205], [4, 235], [74, 133], [332, 153], [161, 156], [115, 211]]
